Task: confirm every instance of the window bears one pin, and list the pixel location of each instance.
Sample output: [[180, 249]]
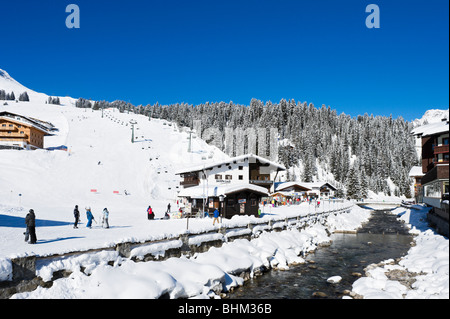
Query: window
[[218, 176], [241, 168], [254, 202], [228, 177], [445, 141], [241, 177], [433, 190], [21, 132], [3, 125]]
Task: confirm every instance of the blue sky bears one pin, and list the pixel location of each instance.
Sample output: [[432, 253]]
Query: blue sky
[[194, 51]]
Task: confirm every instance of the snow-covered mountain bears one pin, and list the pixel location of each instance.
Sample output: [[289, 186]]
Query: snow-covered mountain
[[431, 116], [9, 85]]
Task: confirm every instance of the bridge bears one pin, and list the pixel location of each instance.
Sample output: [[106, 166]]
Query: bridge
[[379, 204]]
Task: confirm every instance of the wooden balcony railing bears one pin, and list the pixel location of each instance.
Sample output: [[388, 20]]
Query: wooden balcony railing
[[441, 149]]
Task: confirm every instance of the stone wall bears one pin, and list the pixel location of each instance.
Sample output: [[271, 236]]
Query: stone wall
[[24, 276]]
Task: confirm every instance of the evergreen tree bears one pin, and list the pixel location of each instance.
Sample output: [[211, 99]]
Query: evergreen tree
[[353, 184], [24, 97]]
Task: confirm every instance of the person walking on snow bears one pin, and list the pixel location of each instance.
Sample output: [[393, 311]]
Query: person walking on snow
[[76, 214], [150, 214], [89, 217], [105, 217], [216, 217], [30, 221]]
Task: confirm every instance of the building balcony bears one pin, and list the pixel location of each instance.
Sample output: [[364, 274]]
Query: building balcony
[[190, 182], [439, 171], [16, 136], [260, 181], [441, 149]]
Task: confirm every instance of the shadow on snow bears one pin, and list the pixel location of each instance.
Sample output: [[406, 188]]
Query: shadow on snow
[[19, 222]]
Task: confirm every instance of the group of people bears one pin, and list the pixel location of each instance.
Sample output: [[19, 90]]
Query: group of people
[[30, 220], [151, 214], [90, 217]]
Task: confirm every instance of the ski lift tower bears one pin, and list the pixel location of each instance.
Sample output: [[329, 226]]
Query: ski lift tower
[[132, 122], [190, 141]]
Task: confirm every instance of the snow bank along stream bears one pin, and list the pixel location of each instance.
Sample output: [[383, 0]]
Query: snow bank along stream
[[200, 265]]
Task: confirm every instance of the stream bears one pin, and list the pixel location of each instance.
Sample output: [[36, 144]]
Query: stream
[[383, 237]]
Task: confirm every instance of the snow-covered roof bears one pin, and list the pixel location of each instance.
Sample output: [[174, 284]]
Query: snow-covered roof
[[416, 171], [309, 185], [431, 129], [203, 191], [237, 159], [283, 193], [282, 186]]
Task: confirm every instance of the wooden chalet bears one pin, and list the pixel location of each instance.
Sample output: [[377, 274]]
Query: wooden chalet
[[22, 132]]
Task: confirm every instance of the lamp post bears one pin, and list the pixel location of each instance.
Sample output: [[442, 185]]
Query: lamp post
[[190, 141], [221, 200]]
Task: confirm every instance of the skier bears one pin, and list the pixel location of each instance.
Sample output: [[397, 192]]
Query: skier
[[150, 214], [168, 208], [30, 221], [76, 214], [216, 217], [89, 216], [105, 217]]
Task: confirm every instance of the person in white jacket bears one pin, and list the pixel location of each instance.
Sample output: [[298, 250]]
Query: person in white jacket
[[105, 216]]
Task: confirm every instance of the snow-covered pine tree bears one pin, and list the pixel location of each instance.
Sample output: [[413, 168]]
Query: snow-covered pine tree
[[24, 97], [353, 183]]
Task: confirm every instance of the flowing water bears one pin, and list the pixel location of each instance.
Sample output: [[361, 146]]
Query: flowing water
[[383, 237]]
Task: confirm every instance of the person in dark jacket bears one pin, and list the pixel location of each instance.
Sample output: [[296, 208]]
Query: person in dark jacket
[[76, 214], [30, 221]]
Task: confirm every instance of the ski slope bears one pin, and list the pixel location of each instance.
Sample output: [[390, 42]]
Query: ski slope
[[100, 157]]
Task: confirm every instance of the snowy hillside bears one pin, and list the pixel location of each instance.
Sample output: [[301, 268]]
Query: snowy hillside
[[431, 116], [100, 157], [8, 84]]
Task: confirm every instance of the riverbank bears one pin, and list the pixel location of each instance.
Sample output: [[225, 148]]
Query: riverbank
[[422, 274], [205, 275], [330, 271]]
